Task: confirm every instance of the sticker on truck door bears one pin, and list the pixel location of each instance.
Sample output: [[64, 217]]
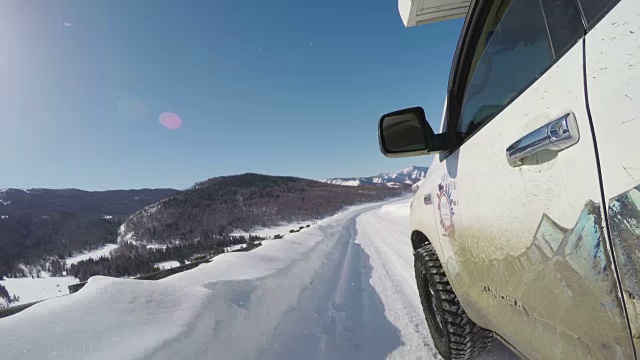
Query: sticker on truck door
[[446, 205]]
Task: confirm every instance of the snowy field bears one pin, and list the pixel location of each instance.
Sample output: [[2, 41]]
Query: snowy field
[[235, 247], [167, 265], [95, 254], [154, 246], [30, 290], [342, 289], [34, 289]]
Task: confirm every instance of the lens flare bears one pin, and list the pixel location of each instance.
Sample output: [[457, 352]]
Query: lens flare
[[170, 120]]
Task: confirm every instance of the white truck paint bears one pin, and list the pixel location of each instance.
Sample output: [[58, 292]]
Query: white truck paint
[[497, 209], [547, 254], [613, 83]]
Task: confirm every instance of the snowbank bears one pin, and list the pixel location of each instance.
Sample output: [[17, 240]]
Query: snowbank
[[108, 319]]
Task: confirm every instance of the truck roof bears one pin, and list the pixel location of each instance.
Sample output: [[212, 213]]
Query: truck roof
[[420, 12]]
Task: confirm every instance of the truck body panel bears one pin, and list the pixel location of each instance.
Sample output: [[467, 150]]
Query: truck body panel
[[613, 85]]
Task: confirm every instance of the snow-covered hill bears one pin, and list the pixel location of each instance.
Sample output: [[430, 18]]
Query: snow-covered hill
[[403, 178], [257, 201]]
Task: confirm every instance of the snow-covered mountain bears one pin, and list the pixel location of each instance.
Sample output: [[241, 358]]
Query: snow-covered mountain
[[403, 178]]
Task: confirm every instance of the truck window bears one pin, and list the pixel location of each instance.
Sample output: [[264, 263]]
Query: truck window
[[564, 24], [513, 56], [594, 10]]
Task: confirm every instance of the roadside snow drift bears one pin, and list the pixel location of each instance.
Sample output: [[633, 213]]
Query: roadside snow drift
[[217, 310]]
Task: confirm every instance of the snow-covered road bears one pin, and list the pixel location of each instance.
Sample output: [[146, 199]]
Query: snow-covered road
[[339, 315], [384, 234], [342, 289], [363, 302]]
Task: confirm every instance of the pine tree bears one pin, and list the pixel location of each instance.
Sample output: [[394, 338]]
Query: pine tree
[[4, 293]]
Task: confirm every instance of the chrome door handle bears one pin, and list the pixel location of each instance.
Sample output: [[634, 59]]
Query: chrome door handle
[[557, 135]]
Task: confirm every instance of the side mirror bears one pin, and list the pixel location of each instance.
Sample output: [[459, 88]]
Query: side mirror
[[406, 132]]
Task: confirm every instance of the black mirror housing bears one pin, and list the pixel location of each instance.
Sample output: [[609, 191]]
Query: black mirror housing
[[406, 133]]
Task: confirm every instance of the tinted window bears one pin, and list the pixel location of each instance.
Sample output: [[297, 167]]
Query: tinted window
[[594, 10], [564, 23], [516, 54]]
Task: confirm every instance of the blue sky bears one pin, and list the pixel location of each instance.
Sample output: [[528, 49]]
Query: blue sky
[[279, 87]]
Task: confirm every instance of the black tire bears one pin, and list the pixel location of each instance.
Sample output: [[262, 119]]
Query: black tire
[[455, 336]]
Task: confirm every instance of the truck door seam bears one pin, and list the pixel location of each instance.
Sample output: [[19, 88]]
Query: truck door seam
[[603, 198]]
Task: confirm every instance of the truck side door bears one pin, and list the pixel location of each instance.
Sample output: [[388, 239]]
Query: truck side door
[[613, 85], [523, 231]]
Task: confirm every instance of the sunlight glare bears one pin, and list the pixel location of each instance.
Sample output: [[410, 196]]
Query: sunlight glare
[[170, 120]]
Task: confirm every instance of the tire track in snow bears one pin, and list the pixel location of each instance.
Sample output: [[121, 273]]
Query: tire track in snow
[[384, 235], [339, 315], [387, 247]]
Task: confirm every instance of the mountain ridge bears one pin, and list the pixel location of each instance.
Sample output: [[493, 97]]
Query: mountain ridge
[[221, 205], [117, 203], [404, 178]]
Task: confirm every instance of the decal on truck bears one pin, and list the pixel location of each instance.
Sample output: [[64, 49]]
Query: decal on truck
[[576, 251], [446, 204], [624, 223], [624, 217], [564, 276], [505, 299]]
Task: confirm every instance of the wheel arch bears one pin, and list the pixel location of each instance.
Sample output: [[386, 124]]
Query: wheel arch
[[418, 240]]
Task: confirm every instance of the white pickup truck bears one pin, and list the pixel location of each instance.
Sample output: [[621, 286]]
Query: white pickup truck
[[527, 226]]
